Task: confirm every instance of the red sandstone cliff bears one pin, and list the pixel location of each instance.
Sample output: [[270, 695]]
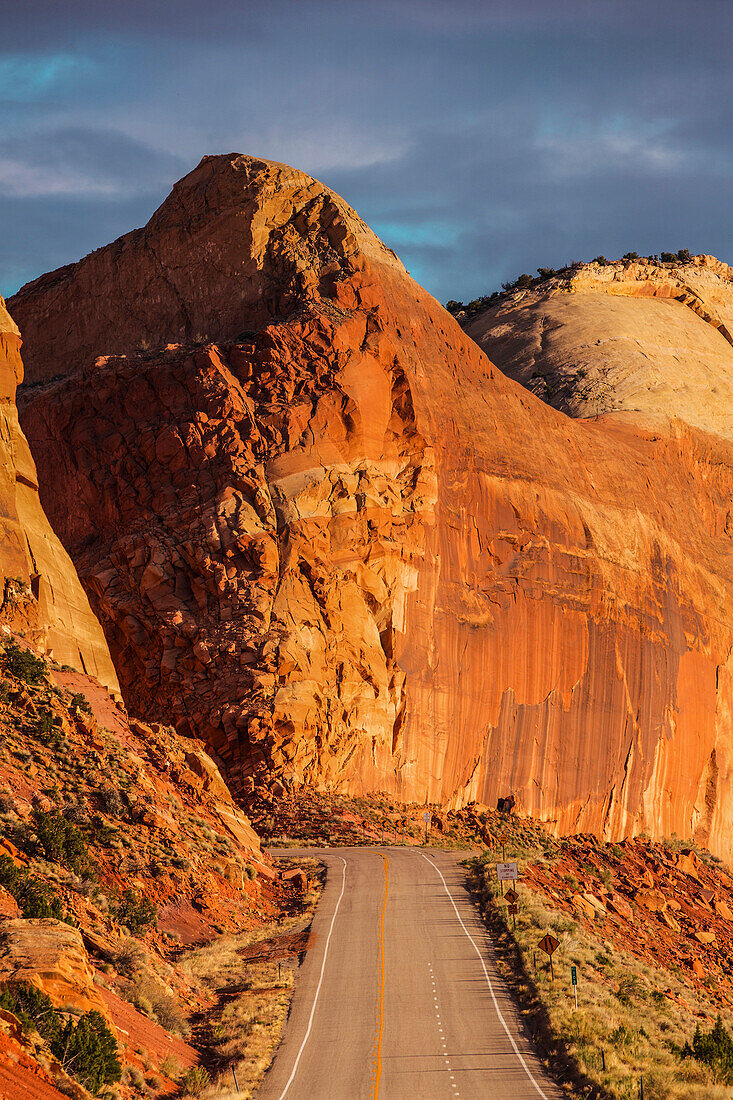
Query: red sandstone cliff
[[333, 540], [40, 593]]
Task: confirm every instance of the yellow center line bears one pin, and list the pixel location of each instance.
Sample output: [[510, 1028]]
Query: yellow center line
[[381, 990]]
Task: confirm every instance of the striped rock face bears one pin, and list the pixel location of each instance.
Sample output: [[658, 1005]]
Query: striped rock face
[[326, 534], [40, 593]]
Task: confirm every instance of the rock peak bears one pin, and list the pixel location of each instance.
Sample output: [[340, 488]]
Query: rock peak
[[238, 243]]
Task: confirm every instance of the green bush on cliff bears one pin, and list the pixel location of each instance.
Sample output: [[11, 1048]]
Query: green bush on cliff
[[43, 729], [135, 911], [23, 664], [61, 842], [86, 1049], [80, 700], [34, 898], [714, 1049]]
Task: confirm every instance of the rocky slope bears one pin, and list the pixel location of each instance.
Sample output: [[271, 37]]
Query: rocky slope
[[647, 927], [121, 850], [325, 534], [32, 560]]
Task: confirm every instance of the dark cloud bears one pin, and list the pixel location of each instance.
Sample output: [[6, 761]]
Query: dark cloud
[[481, 139]]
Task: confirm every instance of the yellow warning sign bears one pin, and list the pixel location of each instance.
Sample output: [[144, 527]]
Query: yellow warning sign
[[548, 944]]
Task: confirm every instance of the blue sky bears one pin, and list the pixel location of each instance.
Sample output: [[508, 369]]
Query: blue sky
[[480, 140]]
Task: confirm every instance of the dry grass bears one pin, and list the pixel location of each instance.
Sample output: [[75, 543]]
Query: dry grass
[[242, 1031], [636, 1014]]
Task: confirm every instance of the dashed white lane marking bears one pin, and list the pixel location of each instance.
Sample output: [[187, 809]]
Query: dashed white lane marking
[[456, 1094], [318, 988], [526, 1068]]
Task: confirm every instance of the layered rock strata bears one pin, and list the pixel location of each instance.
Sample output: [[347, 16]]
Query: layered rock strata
[[40, 592], [325, 533]]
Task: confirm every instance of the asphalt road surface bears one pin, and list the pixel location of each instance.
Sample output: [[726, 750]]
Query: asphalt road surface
[[398, 997]]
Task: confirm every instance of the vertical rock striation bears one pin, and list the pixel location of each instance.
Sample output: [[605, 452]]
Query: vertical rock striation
[[325, 533], [49, 602]]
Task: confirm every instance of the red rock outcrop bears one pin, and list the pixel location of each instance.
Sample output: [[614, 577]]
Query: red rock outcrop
[[50, 955], [40, 591], [333, 540]]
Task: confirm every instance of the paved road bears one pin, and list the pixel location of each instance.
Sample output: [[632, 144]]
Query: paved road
[[399, 997]]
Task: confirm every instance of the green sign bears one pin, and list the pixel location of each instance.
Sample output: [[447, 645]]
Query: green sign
[[574, 975]]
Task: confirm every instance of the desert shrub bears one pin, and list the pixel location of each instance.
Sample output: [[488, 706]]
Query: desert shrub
[[194, 1081], [629, 989], [111, 801], [623, 1036], [714, 1049], [61, 842], [34, 1010], [453, 306], [630, 256], [169, 1067], [86, 1048], [668, 257], [684, 255], [601, 261], [81, 701], [34, 898], [76, 814], [151, 997], [135, 1078], [250, 871], [43, 729], [23, 664], [131, 957], [135, 911]]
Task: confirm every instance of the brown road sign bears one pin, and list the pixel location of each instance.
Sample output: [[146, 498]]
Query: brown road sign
[[511, 896], [548, 944], [513, 909]]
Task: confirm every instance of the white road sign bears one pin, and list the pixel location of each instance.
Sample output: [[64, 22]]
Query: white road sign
[[507, 872], [426, 817]]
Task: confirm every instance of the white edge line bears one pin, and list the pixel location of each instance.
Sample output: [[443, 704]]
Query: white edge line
[[526, 1068], [320, 983]]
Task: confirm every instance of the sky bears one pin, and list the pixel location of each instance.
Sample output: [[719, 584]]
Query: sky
[[480, 140]]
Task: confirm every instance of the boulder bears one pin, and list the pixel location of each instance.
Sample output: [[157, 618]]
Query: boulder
[[618, 904], [50, 955]]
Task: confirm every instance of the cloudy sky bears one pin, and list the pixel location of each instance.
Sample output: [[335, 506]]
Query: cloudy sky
[[479, 139]]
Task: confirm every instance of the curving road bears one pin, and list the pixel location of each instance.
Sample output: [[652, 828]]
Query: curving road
[[398, 997]]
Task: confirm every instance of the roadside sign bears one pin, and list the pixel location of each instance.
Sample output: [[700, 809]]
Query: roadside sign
[[513, 909], [548, 944], [511, 896], [426, 817], [574, 975], [507, 872]]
